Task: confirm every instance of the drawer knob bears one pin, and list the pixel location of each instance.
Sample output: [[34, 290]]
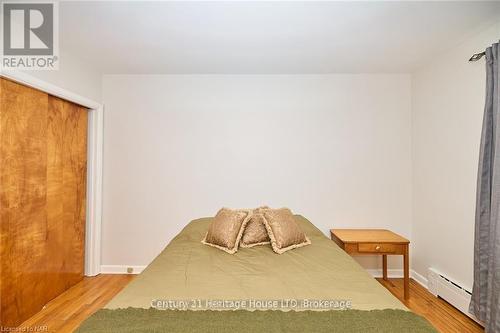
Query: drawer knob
[[377, 247]]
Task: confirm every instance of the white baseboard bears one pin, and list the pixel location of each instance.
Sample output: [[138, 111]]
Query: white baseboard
[[398, 273], [392, 273], [121, 269], [420, 279]]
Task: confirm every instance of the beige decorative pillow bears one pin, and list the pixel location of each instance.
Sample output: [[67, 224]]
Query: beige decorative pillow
[[226, 229], [283, 230], [255, 231]]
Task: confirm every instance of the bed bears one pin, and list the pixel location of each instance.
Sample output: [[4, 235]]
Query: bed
[[191, 287]]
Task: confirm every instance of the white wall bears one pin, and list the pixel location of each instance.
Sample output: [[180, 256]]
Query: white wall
[[75, 76], [335, 148], [448, 102]]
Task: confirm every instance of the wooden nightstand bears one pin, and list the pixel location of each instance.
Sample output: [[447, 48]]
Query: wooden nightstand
[[375, 241]]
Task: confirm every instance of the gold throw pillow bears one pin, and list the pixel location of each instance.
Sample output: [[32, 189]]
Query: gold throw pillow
[[226, 229], [283, 230], [255, 231]]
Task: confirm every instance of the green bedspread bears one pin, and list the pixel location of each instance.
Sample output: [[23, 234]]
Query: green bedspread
[[189, 271], [347, 321]]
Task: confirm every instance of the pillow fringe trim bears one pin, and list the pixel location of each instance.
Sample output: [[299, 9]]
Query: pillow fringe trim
[[274, 243]]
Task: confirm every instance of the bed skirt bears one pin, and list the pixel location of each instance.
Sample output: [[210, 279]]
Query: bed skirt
[[153, 320]]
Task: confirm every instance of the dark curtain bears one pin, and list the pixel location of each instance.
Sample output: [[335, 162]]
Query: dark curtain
[[485, 302]]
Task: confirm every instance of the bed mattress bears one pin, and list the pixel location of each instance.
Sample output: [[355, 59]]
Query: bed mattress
[[190, 275]]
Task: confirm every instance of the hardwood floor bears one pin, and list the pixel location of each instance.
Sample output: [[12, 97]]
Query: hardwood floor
[[66, 312], [438, 312]]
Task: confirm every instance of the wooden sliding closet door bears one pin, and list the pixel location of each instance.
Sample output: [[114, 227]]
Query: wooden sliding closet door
[[43, 162]]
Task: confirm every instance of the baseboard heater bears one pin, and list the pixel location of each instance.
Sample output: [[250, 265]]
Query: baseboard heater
[[441, 286]]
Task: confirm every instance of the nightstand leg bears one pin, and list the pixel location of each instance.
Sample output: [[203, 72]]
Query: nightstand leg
[[406, 259], [384, 266]]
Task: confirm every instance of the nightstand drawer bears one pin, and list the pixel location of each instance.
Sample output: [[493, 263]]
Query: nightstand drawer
[[379, 248]]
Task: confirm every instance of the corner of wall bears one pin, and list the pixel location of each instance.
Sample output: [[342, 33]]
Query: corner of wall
[[446, 110]]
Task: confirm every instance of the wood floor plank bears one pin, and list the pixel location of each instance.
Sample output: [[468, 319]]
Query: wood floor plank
[[66, 312], [437, 311]]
